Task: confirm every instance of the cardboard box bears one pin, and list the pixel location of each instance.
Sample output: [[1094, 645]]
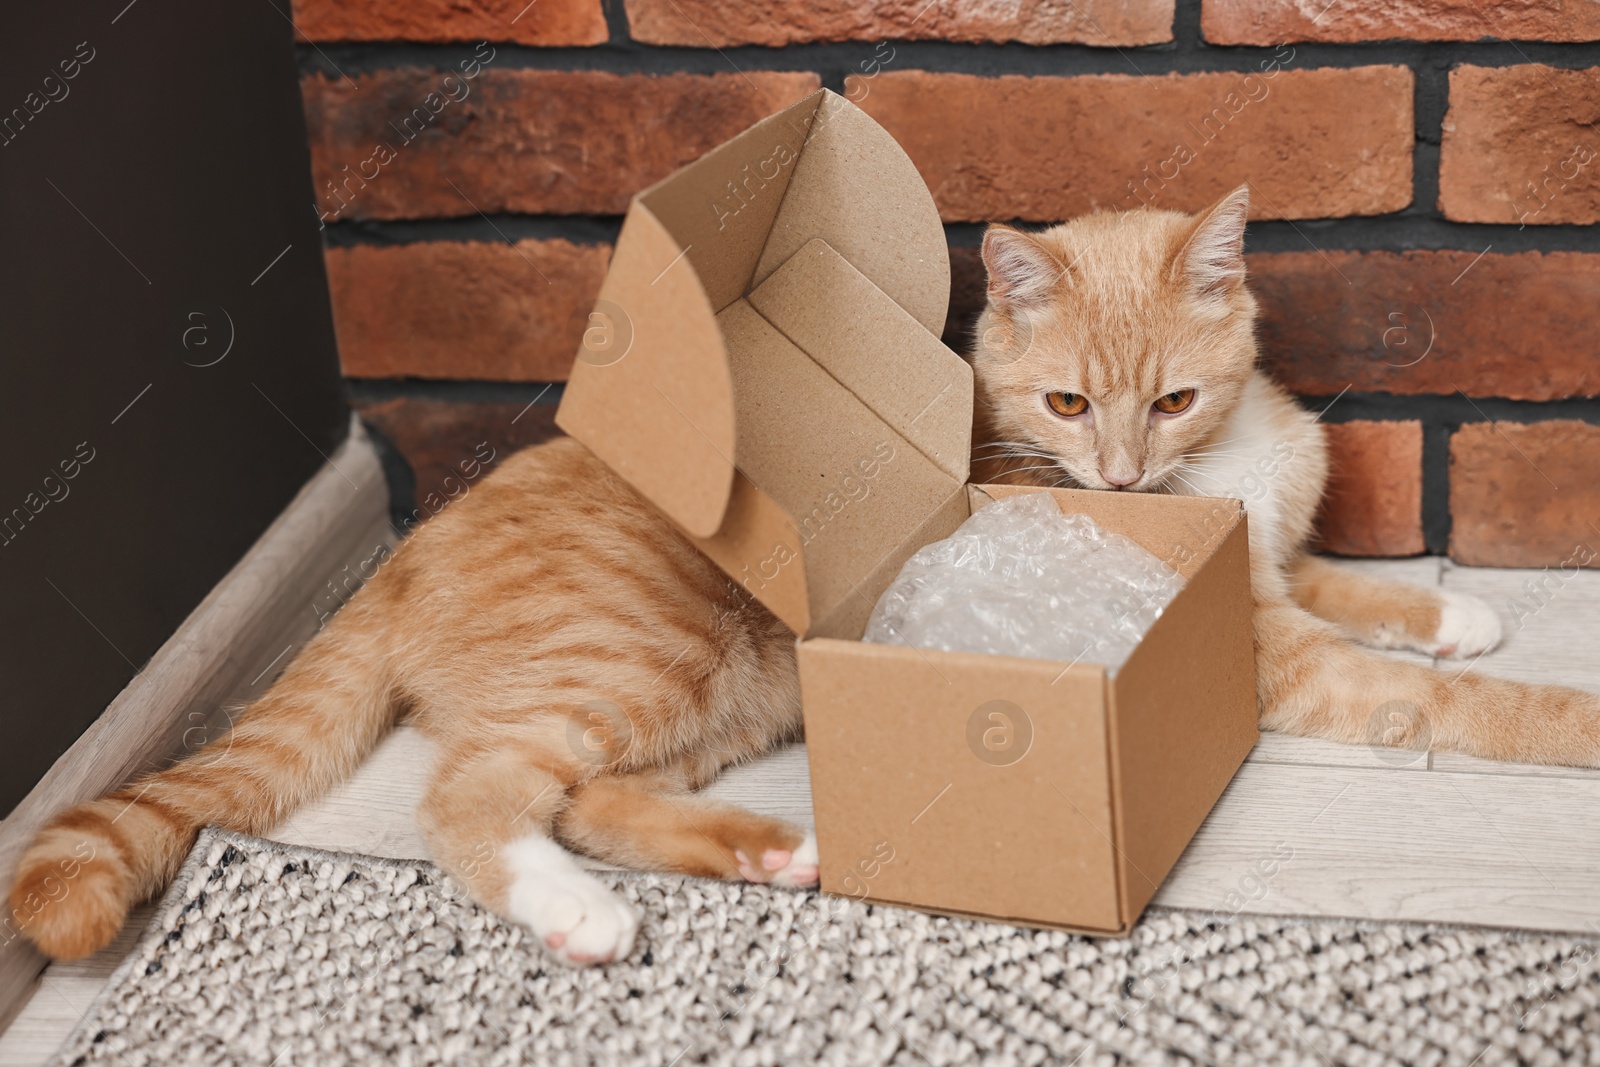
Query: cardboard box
[[764, 366]]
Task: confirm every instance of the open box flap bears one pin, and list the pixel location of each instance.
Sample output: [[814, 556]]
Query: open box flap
[[818, 217], [849, 470], [720, 209], [661, 413], [856, 189], [875, 349]]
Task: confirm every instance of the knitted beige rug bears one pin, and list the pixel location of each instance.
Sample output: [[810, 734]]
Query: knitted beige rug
[[272, 955]]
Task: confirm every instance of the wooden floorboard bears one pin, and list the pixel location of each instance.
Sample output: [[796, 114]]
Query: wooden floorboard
[[1313, 751], [1500, 850], [1558, 643], [373, 812]]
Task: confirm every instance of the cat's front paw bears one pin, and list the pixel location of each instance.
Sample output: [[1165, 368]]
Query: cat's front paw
[[796, 867], [1467, 627], [577, 918]]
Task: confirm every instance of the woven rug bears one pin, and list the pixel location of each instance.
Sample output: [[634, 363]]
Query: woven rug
[[267, 954]]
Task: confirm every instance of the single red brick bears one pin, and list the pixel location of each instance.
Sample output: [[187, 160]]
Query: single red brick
[[393, 144], [1049, 148], [1373, 504], [1273, 21], [723, 23], [448, 309], [547, 22], [1524, 495], [1518, 326], [1520, 145], [450, 445]]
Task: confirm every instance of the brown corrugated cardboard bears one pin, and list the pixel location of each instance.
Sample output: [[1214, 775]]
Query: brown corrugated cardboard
[[1092, 785], [810, 229], [764, 366]]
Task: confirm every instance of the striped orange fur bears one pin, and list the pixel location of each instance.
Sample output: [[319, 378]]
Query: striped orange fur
[[579, 664]]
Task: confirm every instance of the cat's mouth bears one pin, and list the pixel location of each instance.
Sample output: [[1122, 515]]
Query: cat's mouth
[[1029, 464], [1146, 481], [1166, 481], [1143, 484]]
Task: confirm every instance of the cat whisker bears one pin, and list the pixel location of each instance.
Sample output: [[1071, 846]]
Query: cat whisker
[[1195, 489], [1203, 476], [1188, 471], [1039, 467], [1218, 454], [1025, 445], [1007, 449], [1047, 458]]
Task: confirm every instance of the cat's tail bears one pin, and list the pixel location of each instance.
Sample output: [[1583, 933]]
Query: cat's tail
[[1316, 682], [93, 862]]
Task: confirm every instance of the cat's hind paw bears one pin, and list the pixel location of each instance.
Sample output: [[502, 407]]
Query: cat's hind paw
[[577, 918], [796, 867], [1468, 627]]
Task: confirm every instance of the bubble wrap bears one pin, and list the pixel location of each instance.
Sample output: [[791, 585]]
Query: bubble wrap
[[1019, 578]]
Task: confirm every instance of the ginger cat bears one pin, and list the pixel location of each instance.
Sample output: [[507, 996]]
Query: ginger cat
[[582, 668], [1118, 352]]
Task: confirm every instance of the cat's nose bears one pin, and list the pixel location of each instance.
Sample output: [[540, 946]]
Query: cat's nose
[[1121, 479]]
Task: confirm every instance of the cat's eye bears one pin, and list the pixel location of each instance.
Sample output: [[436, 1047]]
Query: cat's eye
[[1067, 404], [1174, 402]]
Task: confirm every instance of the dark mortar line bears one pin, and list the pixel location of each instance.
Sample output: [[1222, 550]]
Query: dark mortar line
[[1390, 233], [1436, 518], [1186, 25], [616, 16], [1449, 411], [495, 229], [1398, 234], [1431, 99], [1425, 188], [833, 59], [378, 390]]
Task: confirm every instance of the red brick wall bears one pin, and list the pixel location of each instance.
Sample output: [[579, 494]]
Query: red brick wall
[[1425, 176]]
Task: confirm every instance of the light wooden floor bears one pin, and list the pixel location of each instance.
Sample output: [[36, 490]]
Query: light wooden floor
[[1373, 834]]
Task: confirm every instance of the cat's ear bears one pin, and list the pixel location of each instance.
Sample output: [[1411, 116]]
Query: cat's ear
[[1022, 272], [1211, 261]]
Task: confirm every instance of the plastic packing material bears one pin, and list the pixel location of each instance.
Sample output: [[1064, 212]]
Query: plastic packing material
[[1019, 578]]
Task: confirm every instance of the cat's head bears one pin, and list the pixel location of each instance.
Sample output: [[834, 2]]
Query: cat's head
[[1112, 345]]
